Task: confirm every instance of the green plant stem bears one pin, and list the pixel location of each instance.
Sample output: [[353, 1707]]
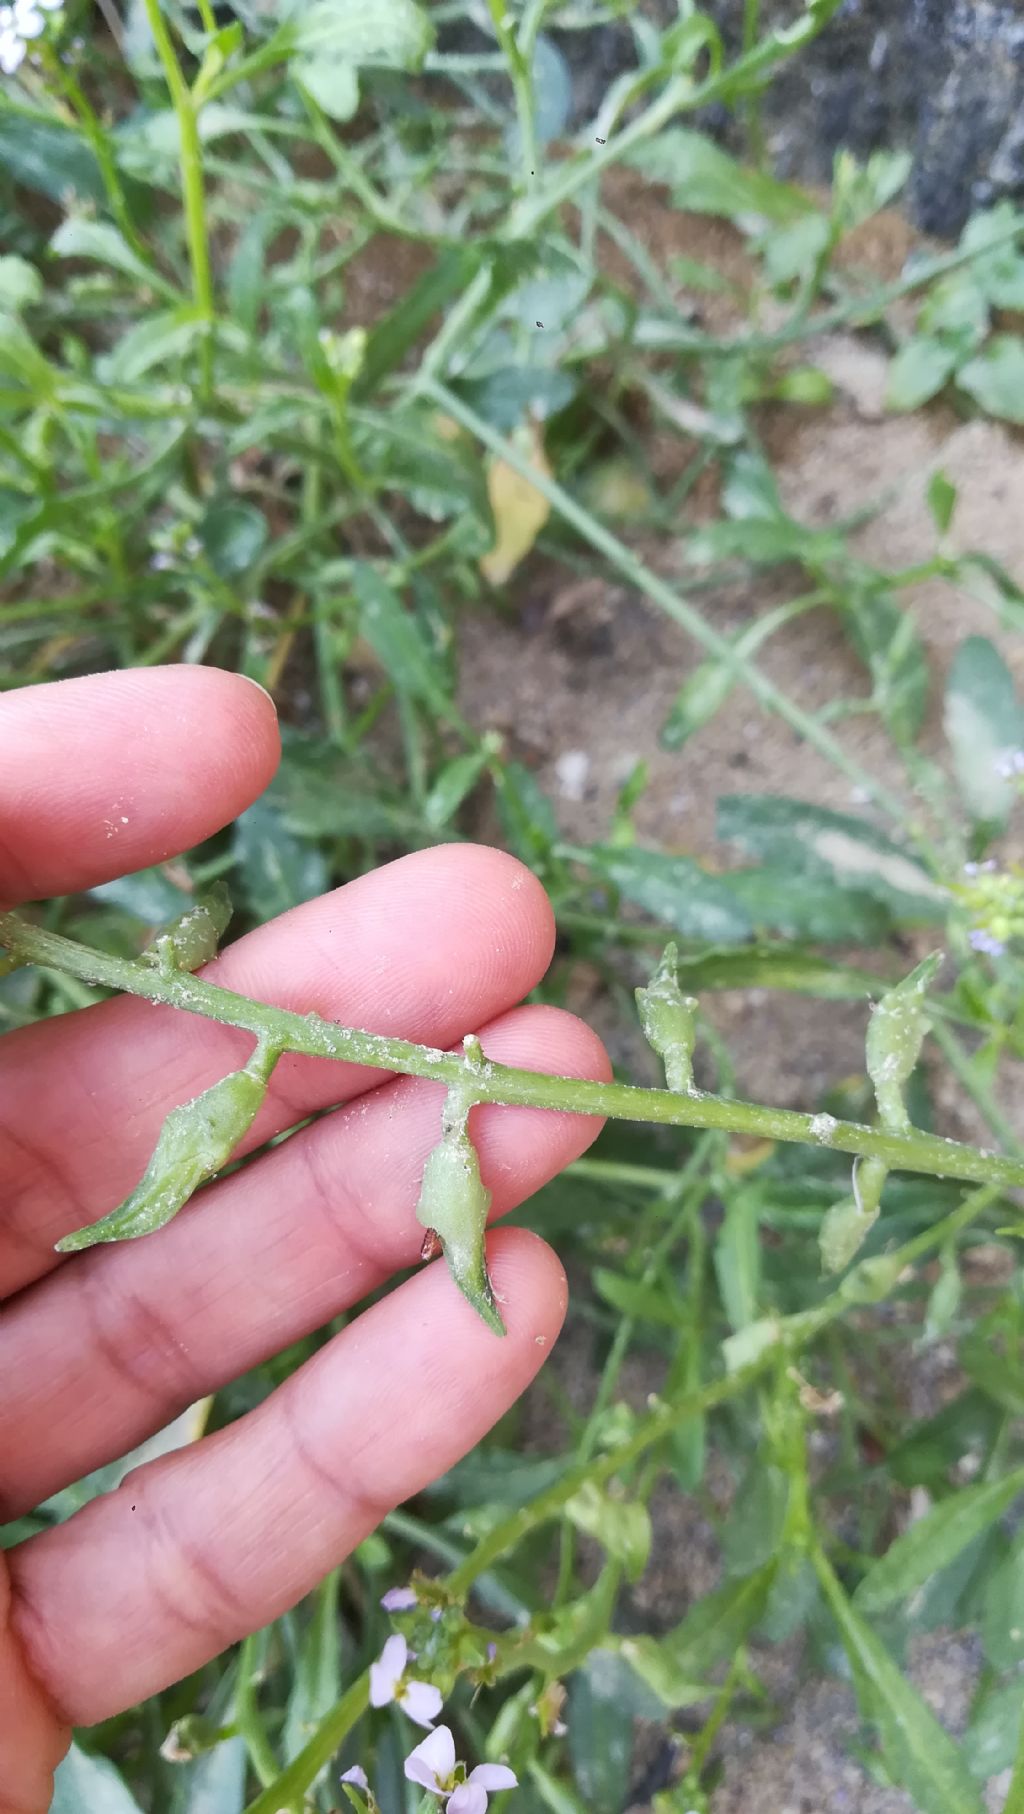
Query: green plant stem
[[316, 1037], [1014, 1803], [792, 1334], [247, 1715], [192, 186], [521, 76], [620, 556]]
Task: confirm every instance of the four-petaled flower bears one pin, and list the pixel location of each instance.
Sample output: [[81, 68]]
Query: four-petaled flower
[[420, 1700], [19, 24], [432, 1766]]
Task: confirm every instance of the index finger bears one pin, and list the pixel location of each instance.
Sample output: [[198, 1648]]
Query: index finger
[[110, 773]]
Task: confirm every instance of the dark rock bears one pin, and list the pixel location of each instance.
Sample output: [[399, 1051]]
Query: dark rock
[[943, 79]]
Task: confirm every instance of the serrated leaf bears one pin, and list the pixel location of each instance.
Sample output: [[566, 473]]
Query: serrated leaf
[[935, 1540], [921, 1756], [706, 180], [849, 850], [984, 723]]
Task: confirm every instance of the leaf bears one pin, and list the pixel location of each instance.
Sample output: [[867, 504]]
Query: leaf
[[807, 907], [935, 1540], [677, 1666], [278, 870], [337, 38], [676, 891], [849, 850], [706, 180], [216, 1781], [166, 335], [234, 536], [942, 496], [50, 159], [20, 284], [918, 372], [315, 1671], [887, 640], [186, 1428], [600, 1733], [778, 967], [78, 237], [21, 359], [622, 1526], [399, 640], [526, 814], [394, 336], [1002, 1622], [752, 1533], [920, 1755], [647, 1303], [791, 252], [149, 895], [995, 378], [991, 1740], [984, 724], [520, 511], [84, 1782], [454, 782], [738, 1258]]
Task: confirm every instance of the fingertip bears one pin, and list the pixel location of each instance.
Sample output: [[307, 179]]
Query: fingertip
[[530, 1286]]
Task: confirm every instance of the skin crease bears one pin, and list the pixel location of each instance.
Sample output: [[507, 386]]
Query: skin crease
[[202, 1546]]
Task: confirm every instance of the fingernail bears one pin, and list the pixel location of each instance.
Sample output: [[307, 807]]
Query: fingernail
[[259, 688]]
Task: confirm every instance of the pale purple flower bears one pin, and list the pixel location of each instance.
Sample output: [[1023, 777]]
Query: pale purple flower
[[420, 1700], [984, 941], [399, 1599], [356, 1776], [1010, 765], [432, 1766]]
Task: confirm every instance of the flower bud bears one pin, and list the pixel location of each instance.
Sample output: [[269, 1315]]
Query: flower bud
[[669, 1020], [453, 1205], [896, 1033], [849, 1222], [196, 1140], [193, 939]]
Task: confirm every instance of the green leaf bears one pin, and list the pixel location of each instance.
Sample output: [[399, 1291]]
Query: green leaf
[[278, 870], [887, 640], [337, 38], [647, 1303], [676, 891], [921, 1756], [451, 786], [995, 378], [164, 336], [738, 1258], [149, 895], [919, 371], [183, 1430], [600, 1733], [706, 180], [20, 284], [807, 907], [526, 814], [942, 496], [1002, 1623], [400, 641], [752, 1533], [50, 159], [396, 333], [848, 850], [677, 1666], [991, 1739], [78, 237], [984, 724], [234, 536], [935, 1540], [622, 1526], [84, 1782], [21, 359], [216, 1781], [315, 1671], [791, 252]]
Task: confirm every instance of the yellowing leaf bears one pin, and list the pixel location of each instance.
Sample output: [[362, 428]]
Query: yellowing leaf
[[519, 509]]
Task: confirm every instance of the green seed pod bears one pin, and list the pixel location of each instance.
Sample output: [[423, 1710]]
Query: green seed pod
[[896, 1033], [669, 1020], [850, 1221], [196, 1140], [453, 1205], [193, 939]]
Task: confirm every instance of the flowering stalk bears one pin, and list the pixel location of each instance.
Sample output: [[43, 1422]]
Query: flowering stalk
[[316, 1037]]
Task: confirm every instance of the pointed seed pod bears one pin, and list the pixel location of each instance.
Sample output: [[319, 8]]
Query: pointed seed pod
[[849, 1222], [453, 1207], [196, 1140], [193, 939], [669, 1021], [896, 1033]]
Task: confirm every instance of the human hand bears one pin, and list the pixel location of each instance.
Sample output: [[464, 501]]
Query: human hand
[[99, 777]]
